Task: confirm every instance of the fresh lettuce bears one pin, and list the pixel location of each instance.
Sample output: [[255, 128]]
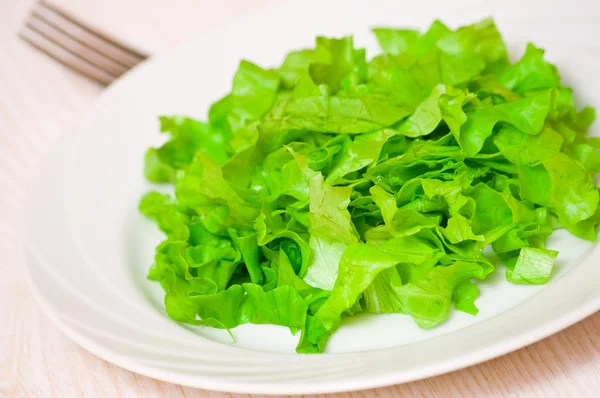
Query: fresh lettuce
[[336, 184]]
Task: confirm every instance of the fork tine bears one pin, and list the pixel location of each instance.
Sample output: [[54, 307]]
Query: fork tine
[[75, 47], [65, 57], [91, 53], [70, 26]]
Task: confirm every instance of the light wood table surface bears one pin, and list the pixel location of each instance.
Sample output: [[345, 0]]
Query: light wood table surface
[[39, 99]]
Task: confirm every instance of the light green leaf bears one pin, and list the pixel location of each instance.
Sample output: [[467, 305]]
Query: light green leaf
[[527, 114], [533, 266], [573, 192]]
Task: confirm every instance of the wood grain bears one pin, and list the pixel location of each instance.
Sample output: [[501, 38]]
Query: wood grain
[[38, 100]]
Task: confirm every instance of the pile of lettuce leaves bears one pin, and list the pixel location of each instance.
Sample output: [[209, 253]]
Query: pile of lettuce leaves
[[336, 185]]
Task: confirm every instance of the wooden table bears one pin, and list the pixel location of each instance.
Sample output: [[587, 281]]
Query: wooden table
[[38, 100]]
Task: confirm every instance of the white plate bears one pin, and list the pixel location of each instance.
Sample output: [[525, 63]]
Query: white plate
[[88, 249]]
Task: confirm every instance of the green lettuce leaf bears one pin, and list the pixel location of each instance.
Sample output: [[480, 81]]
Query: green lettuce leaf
[[155, 170], [331, 231], [336, 184], [218, 204], [167, 214], [358, 267], [464, 297], [356, 113], [573, 193], [254, 90], [396, 41], [527, 114], [531, 73], [533, 266], [335, 60], [187, 136], [249, 303], [364, 151], [444, 103]]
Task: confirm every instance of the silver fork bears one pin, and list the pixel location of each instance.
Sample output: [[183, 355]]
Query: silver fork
[[79, 47]]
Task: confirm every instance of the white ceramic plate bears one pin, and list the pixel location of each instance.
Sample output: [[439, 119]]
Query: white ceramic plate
[[88, 249]]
